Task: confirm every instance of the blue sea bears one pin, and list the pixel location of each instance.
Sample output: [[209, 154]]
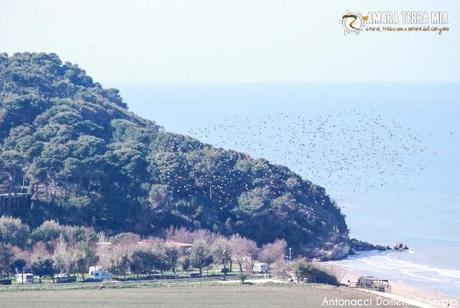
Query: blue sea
[[389, 154]]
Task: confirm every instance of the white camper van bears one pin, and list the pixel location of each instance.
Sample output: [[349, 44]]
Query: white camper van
[[96, 273], [260, 267], [24, 278]]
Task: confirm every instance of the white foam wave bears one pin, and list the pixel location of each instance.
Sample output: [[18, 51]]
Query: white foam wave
[[397, 267]]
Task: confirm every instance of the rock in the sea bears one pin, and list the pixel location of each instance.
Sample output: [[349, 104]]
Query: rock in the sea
[[400, 247], [358, 245]]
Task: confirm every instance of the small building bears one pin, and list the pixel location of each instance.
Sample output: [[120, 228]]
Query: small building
[[93, 269], [14, 204], [179, 245], [24, 278], [260, 267], [370, 282]]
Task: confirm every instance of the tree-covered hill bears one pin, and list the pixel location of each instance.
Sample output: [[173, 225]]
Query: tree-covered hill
[[87, 160]]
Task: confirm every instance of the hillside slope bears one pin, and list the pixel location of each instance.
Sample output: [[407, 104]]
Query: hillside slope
[[87, 160]]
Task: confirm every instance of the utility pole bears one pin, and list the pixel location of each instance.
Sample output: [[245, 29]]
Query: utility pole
[[288, 258]]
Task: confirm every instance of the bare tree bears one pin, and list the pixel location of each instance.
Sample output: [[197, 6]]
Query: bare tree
[[272, 252], [120, 260], [63, 257], [244, 250]]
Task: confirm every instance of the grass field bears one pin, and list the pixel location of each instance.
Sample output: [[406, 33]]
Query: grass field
[[186, 295]]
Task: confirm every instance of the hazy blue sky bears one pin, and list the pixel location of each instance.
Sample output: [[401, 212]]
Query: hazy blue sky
[[235, 40]]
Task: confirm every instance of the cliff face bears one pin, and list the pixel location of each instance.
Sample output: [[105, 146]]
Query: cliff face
[[87, 160]]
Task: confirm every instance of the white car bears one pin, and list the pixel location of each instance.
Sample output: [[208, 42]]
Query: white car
[[101, 275]]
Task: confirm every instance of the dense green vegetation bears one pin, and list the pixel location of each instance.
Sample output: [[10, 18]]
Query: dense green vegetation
[[88, 161]]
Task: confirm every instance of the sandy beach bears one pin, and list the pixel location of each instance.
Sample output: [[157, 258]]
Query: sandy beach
[[399, 291]]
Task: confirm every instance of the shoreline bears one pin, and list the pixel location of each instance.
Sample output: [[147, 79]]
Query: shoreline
[[402, 292]]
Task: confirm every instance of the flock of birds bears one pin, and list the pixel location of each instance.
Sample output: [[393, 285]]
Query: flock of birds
[[353, 149]]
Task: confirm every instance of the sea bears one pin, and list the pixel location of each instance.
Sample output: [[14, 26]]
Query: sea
[[387, 153]]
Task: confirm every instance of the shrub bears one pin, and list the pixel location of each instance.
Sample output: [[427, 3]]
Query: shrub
[[321, 276], [306, 271]]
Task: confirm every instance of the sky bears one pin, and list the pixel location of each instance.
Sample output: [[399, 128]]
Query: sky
[[230, 41]]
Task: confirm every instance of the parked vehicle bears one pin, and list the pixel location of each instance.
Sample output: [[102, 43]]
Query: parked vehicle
[[97, 273], [24, 278], [64, 278], [260, 267], [99, 276], [5, 281]]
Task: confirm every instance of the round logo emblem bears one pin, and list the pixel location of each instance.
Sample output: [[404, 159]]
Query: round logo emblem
[[352, 22]]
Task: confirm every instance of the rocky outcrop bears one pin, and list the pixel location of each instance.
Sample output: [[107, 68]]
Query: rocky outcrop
[[400, 247], [357, 245], [338, 251], [331, 251]]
